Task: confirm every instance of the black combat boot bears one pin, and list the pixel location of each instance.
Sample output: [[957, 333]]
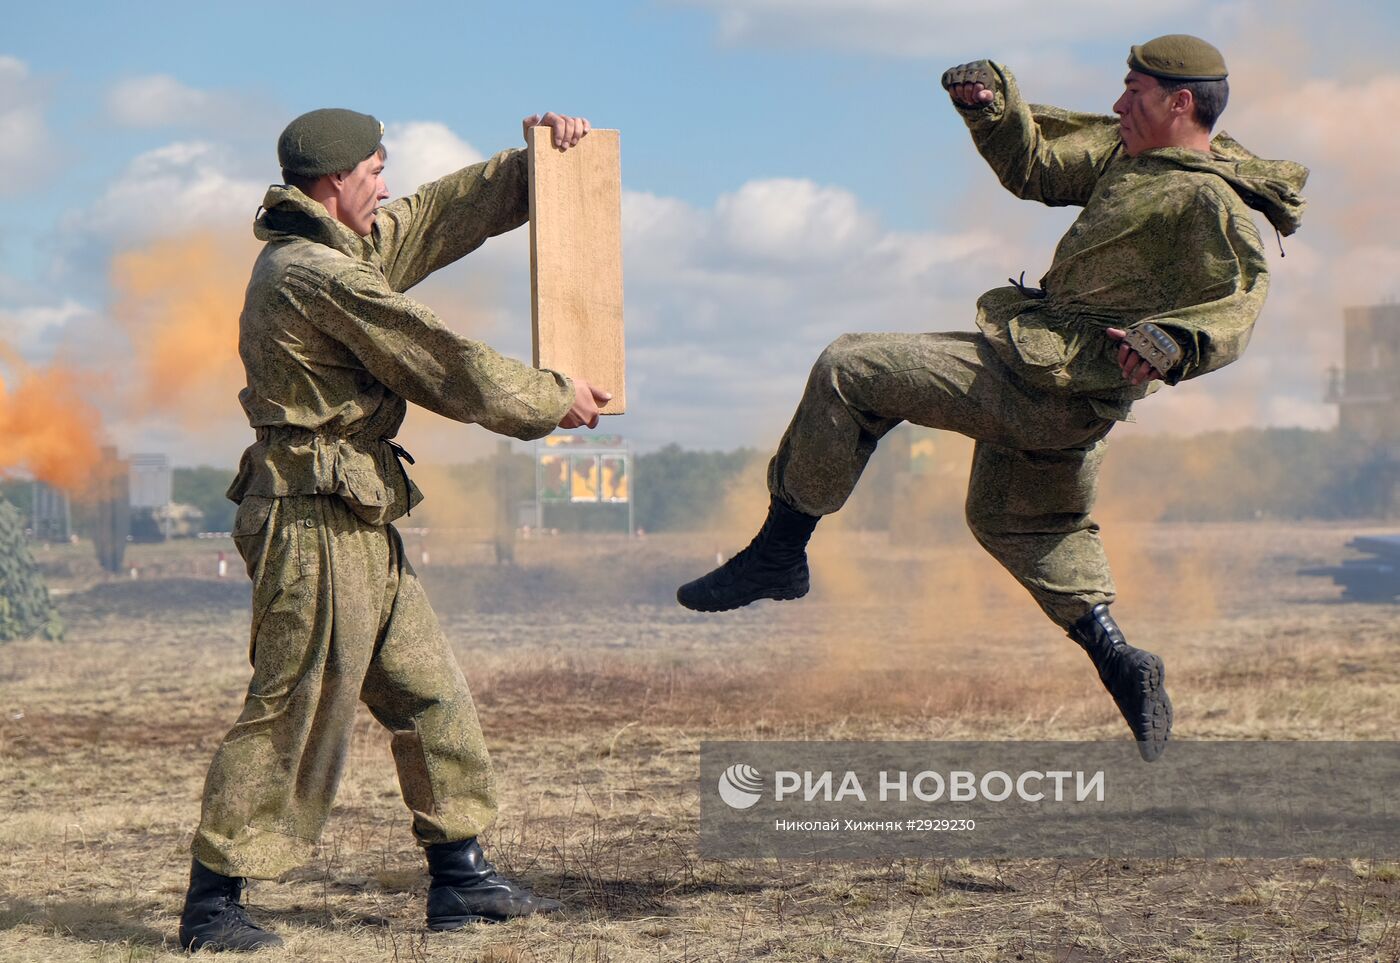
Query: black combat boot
[[773, 566], [1134, 677], [214, 918], [466, 889]]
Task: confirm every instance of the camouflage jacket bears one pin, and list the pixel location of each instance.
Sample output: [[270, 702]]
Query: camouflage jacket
[[333, 349], [1165, 236]]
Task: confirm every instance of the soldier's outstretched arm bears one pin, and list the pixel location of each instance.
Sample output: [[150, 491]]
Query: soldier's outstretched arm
[[446, 219], [1038, 153], [404, 345]]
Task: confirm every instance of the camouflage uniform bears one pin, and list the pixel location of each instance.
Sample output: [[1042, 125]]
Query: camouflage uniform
[[333, 352], [1165, 236]]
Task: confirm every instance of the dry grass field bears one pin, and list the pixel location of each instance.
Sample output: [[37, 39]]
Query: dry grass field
[[596, 691]]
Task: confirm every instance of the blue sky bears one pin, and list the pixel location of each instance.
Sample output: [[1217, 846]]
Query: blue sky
[[701, 115], [791, 171]]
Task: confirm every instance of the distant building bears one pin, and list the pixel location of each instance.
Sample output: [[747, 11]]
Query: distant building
[[150, 485], [1367, 388], [50, 514]]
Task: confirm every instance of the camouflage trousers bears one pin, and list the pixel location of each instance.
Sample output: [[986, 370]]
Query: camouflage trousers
[[1034, 466], [339, 616]]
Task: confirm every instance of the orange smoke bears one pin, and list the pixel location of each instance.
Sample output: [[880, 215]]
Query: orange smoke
[[179, 300], [46, 425]]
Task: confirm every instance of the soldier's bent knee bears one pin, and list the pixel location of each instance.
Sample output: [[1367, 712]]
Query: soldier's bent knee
[[841, 355]]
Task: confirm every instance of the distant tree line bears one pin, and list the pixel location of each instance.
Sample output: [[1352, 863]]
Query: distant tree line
[[1281, 473], [204, 488]]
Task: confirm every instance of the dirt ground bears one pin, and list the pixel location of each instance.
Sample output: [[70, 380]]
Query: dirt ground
[[595, 692]]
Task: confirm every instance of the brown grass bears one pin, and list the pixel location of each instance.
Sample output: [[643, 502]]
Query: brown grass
[[595, 705]]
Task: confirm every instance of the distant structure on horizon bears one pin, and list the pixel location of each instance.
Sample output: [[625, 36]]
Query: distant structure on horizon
[[1366, 389], [150, 488], [50, 513]]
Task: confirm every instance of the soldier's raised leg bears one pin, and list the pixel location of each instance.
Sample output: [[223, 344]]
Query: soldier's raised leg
[[862, 386], [1031, 511]]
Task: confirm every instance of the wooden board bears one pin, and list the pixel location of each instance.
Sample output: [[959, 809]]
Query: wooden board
[[576, 259]]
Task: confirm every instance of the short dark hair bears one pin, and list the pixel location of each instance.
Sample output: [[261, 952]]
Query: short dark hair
[[300, 181], [1209, 97], [304, 184]]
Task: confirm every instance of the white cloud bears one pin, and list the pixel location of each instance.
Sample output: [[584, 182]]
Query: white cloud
[[1354, 150], [179, 187], [200, 184], [794, 222], [423, 151], [26, 145], [159, 100], [918, 28], [31, 328]]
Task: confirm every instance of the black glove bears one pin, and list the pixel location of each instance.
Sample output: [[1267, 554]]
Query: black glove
[[1154, 346], [976, 72]]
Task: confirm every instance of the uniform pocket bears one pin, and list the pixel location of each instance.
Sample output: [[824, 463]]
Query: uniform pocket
[[251, 517], [250, 529], [1044, 351], [366, 488], [365, 494]]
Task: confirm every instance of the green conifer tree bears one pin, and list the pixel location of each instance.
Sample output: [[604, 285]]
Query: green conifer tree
[[25, 608]]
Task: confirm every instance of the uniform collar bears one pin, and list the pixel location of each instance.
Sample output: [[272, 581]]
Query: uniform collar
[[1271, 187], [288, 213]]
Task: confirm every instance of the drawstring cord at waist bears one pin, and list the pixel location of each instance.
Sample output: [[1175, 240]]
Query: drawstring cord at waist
[[401, 455], [1026, 290]]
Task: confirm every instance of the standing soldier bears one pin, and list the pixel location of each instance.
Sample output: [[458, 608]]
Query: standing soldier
[[333, 351], [1159, 279]]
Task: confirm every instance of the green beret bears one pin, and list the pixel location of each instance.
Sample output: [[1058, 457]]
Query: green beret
[[1178, 56], [328, 141]]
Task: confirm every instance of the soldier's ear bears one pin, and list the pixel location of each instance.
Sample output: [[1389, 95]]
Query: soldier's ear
[[1183, 102]]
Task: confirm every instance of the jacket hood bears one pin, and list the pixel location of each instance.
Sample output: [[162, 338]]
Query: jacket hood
[[1271, 187], [287, 214]]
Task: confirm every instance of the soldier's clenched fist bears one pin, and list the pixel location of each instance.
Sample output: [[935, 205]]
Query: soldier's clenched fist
[[971, 84]]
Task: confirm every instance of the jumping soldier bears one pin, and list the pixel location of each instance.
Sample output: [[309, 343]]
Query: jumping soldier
[[333, 351], [1160, 279]]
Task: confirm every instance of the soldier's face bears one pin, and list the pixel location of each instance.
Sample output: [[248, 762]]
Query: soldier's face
[[1144, 114], [360, 192]]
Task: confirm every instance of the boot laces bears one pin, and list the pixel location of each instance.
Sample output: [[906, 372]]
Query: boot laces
[[236, 912], [731, 569]]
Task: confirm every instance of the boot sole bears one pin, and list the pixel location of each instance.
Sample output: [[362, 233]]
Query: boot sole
[[1151, 680], [752, 597], [219, 946], [457, 922], [447, 923]]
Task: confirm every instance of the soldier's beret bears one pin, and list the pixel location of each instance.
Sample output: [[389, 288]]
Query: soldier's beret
[[327, 141], [1178, 56]]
